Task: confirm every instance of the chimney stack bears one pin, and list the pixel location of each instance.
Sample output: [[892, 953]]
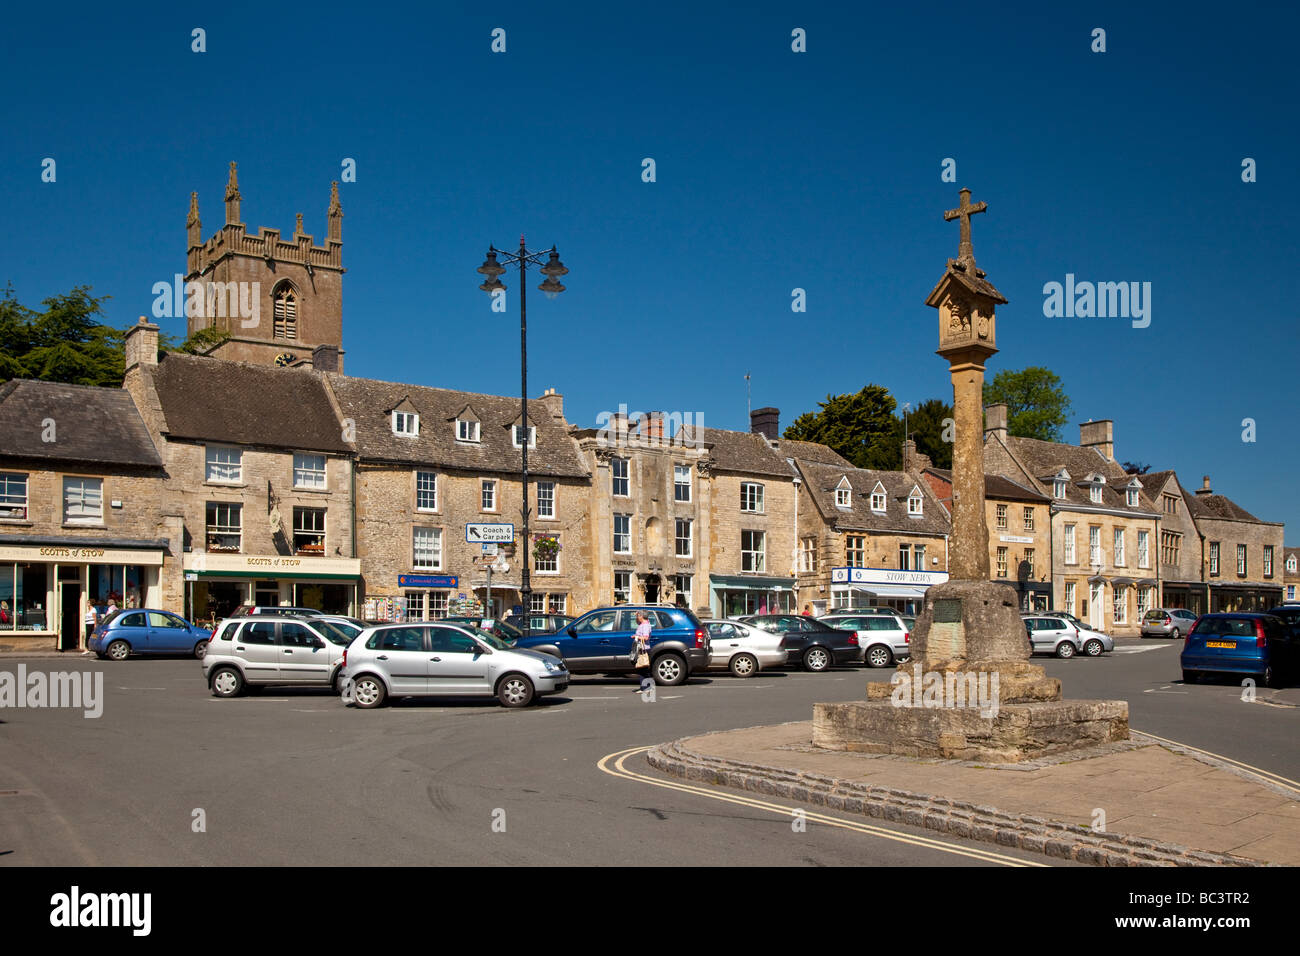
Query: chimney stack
[[554, 403], [1099, 435], [1205, 488], [995, 420], [141, 344], [766, 422], [651, 426], [325, 358]]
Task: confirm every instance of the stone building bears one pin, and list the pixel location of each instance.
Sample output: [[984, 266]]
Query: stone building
[[1104, 526], [1181, 583], [429, 462], [1240, 553], [81, 488], [1291, 575], [1019, 521], [868, 538], [278, 298], [259, 478], [649, 502]]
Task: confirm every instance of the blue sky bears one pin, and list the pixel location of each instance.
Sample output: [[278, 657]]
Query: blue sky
[[775, 170]]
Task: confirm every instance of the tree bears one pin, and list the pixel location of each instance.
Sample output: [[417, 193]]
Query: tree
[[197, 343], [926, 425], [1037, 406], [861, 427], [1135, 468], [63, 343]]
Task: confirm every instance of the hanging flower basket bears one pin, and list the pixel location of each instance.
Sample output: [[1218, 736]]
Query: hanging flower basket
[[545, 547]]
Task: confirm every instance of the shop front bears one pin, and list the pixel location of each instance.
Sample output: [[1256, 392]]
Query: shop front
[[903, 591], [217, 584], [46, 585], [1034, 595], [736, 594], [1189, 595], [1232, 598]]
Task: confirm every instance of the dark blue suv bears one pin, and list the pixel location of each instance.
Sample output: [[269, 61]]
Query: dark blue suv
[[600, 642]]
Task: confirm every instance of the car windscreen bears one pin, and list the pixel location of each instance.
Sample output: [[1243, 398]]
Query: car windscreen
[[492, 641]]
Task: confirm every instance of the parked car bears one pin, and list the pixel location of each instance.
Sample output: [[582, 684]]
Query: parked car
[[265, 649], [1167, 622], [497, 628], [1288, 612], [244, 610], [437, 659], [742, 649], [540, 623], [808, 641], [600, 642], [858, 610], [1260, 645], [130, 631], [351, 625], [1056, 635], [1085, 630], [884, 638]]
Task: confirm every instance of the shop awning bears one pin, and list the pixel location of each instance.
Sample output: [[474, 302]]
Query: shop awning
[[889, 590]]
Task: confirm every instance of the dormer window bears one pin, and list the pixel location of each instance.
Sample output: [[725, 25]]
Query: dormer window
[[1094, 494], [1058, 488], [914, 502], [467, 430], [517, 435], [878, 498], [1290, 563], [1131, 493], [1132, 498], [844, 494], [406, 424]]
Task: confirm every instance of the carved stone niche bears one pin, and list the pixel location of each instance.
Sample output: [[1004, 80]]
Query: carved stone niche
[[966, 320]]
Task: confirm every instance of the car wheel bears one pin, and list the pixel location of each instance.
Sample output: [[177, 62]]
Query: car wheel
[[515, 690], [118, 651], [201, 649], [1191, 677], [1093, 648], [669, 670], [227, 682], [744, 665], [1175, 634], [368, 691], [1065, 649], [878, 656], [816, 659]]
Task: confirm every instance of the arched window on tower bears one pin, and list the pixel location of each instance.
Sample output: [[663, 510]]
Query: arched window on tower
[[286, 313]]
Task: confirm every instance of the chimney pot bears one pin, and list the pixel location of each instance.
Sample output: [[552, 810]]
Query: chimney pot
[[766, 422]]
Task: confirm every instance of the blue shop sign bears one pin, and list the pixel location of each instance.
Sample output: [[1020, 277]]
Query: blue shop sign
[[426, 581]]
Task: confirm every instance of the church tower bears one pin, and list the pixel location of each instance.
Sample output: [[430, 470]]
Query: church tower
[[280, 300]]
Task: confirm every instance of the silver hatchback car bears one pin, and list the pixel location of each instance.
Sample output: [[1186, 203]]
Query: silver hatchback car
[[433, 659], [884, 637]]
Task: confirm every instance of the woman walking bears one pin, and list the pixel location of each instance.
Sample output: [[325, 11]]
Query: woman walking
[[642, 646]]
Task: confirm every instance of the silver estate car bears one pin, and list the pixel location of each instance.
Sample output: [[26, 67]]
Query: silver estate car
[[267, 649], [742, 649], [436, 659], [1052, 634]]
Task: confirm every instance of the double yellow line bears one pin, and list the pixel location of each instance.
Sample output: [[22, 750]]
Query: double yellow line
[[1266, 775], [613, 764]]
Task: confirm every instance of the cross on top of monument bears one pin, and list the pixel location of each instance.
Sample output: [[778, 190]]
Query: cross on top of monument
[[965, 250]]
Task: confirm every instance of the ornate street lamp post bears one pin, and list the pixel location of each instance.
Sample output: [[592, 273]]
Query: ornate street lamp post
[[553, 269]]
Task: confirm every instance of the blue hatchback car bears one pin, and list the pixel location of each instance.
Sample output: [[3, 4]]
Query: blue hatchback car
[[1257, 645], [146, 631]]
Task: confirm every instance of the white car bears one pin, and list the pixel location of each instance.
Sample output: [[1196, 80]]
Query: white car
[[1057, 634], [884, 638], [742, 649]]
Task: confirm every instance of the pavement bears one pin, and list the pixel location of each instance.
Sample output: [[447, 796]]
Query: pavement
[[1140, 803]]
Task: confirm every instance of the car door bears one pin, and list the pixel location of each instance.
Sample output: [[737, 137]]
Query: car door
[[168, 634], [457, 664], [304, 655], [593, 642], [259, 648], [724, 641], [133, 627], [403, 654]]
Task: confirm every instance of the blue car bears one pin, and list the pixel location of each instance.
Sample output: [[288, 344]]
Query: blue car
[[600, 642], [1257, 645], [146, 631]]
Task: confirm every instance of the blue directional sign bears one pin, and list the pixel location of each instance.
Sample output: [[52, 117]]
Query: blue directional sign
[[426, 581]]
